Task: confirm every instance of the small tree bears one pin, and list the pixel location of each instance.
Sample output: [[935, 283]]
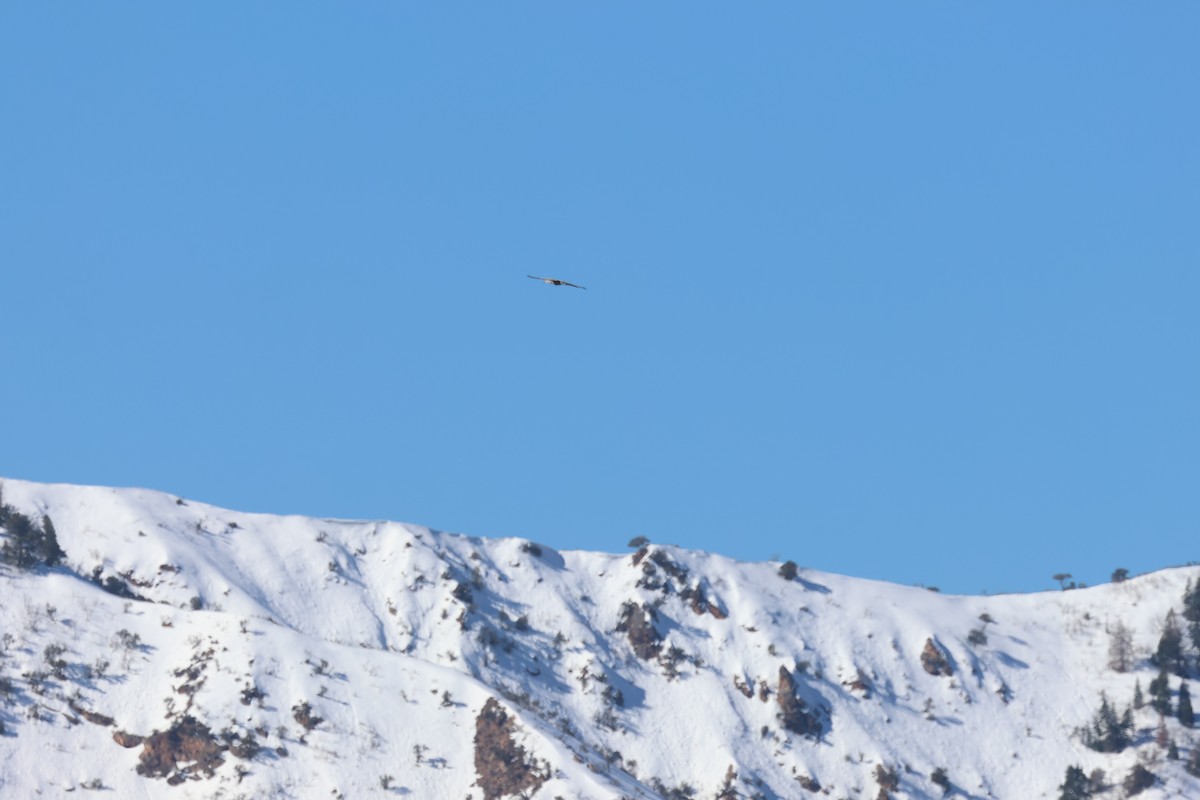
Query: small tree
[[23, 543], [1169, 654], [1183, 709], [1062, 578], [638, 541], [728, 791], [1107, 732], [50, 552], [1074, 785], [1120, 648], [1193, 763], [1138, 780], [1120, 575], [1160, 694], [941, 780], [1191, 612], [788, 570]]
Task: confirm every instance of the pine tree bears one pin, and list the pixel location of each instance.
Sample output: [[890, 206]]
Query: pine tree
[[1126, 731], [1138, 780], [1075, 785], [20, 549], [1139, 699], [1108, 733], [1169, 655], [1184, 708], [1193, 763], [1191, 611], [50, 553], [1120, 648], [1160, 694]]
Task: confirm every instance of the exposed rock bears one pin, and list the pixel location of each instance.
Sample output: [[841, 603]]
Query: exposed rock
[[934, 659], [126, 739], [637, 622], [663, 560], [502, 765], [185, 751], [795, 715]]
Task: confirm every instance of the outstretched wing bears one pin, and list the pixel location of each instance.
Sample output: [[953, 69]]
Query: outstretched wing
[[555, 281]]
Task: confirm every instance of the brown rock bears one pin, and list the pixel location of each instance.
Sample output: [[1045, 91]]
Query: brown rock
[[794, 713], [934, 659], [186, 750], [126, 739], [502, 765]]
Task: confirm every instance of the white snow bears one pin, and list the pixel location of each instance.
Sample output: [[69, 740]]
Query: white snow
[[361, 619]]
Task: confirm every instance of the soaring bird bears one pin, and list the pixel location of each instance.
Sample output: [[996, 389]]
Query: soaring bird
[[556, 282]]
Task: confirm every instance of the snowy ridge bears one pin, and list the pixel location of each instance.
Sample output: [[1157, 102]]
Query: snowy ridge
[[645, 674]]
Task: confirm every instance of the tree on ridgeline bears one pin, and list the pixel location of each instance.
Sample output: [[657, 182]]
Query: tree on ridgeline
[[25, 543], [50, 551], [21, 540]]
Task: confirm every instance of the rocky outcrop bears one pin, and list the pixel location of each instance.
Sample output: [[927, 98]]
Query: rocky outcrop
[[637, 623], [794, 714], [503, 767], [126, 739], [185, 751], [934, 659]]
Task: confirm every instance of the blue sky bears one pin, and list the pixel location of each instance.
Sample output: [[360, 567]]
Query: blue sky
[[904, 291]]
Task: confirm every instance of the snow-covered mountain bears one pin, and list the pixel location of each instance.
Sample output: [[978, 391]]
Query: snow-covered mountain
[[186, 651]]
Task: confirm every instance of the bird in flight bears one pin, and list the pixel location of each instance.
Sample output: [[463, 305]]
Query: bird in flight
[[556, 282]]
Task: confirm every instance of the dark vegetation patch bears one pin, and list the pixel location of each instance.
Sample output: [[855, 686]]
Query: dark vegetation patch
[[503, 767]]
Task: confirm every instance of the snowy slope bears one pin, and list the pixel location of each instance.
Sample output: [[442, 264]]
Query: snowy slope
[[396, 636]]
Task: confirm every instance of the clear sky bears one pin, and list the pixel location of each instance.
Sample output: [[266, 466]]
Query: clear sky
[[900, 290]]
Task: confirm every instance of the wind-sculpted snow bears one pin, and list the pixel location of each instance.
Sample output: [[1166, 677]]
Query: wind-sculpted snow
[[272, 656]]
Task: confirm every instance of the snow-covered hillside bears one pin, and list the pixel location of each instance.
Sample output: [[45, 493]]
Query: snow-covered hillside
[[187, 651]]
